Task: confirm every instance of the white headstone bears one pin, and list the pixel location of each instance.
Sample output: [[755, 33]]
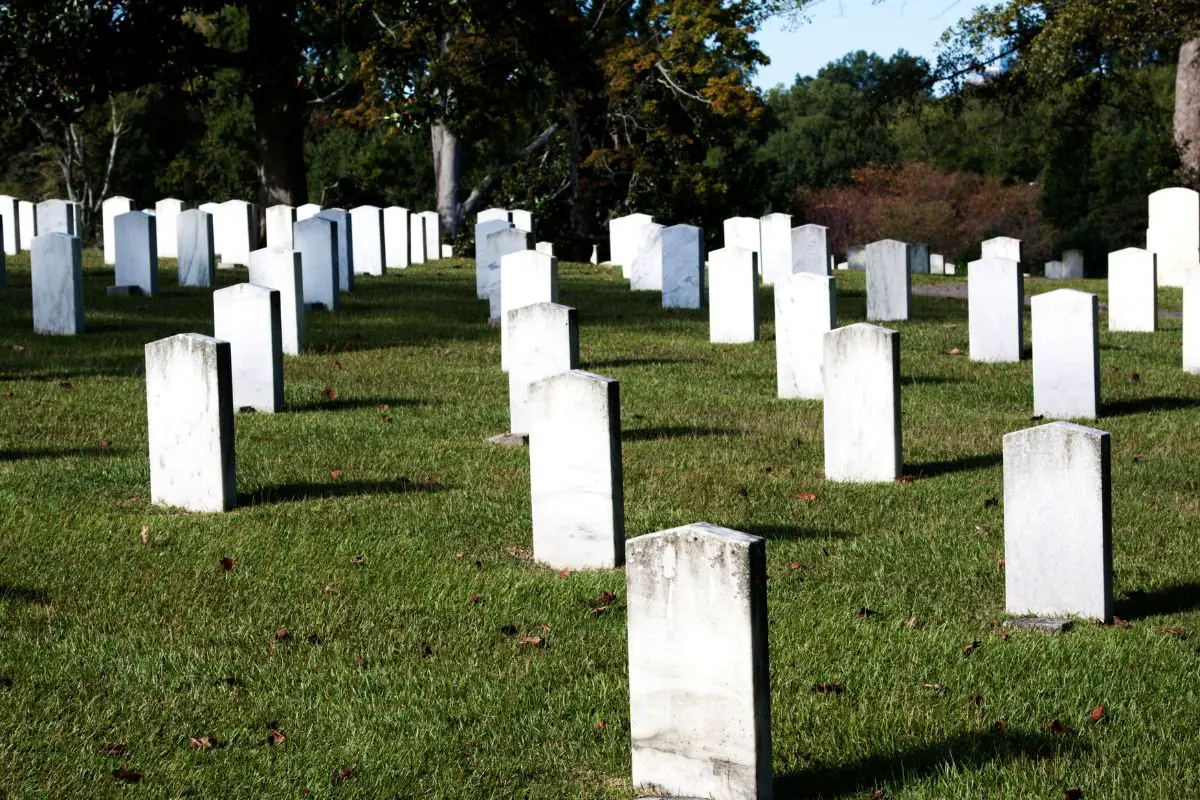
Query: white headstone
[[937, 264], [280, 220], [526, 277], [522, 220], [396, 253], [623, 239], [575, 471], [699, 682], [1132, 291], [810, 249], [545, 247], [497, 245], [189, 416], [543, 340], [1191, 322], [778, 255], [996, 310], [10, 218], [918, 255], [1174, 233], [433, 235], [646, 271], [1002, 247], [56, 264], [485, 259], [889, 282], [279, 269], [166, 221], [732, 296], [214, 210], [683, 267], [1072, 265], [862, 405], [316, 239], [27, 219], [951, 269], [746, 233], [247, 316], [307, 211], [1066, 355], [805, 310], [109, 210], [493, 215], [1058, 522], [55, 216], [235, 229], [856, 256], [137, 252], [368, 240], [345, 246], [196, 248], [416, 239]]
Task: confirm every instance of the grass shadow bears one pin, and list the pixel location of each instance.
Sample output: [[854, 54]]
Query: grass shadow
[[296, 492], [62, 452], [932, 469], [23, 595], [349, 403], [1125, 408], [1174, 599], [784, 533], [928, 380], [964, 751], [666, 432], [634, 362]]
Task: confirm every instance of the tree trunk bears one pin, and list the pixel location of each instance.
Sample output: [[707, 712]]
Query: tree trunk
[[1187, 109], [447, 174], [273, 60]]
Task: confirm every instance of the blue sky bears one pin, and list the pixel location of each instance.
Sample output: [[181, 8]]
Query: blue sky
[[837, 27]]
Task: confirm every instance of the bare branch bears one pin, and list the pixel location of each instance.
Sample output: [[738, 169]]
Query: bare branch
[[670, 83], [481, 191]]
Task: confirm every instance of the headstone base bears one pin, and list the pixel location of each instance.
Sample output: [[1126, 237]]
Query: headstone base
[[1039, 624], [510, 440]]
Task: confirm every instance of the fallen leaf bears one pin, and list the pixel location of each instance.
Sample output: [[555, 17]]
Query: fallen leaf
[[533, 641], [509, 630], [200, 742], [1137, 459], [70, 387], [1097, 713], [105, 444], [905, 479], [911, 622], [1136, 378], [275, 737], [1117, 622], [1178, 633], [459, 554], [566, 571], [879, 794], [360, 662], [829, 688], [1072, 794], [991, 502], [126, 775], [600, 725], [283, 634], [358, 561], [977, 699], [475, 598], [337, 473], [954, 351], [329, 392], [337, 365], [970, 647], [1002, 635], [384, 406], [605, 598], [145, 534], [936, 687], [343, 775], [227, 564], [330, 589], [999, 725], [112, 750], [387, 418], [596, 612], [794, 565], [1057, 728], [8, 394], [804, 497]]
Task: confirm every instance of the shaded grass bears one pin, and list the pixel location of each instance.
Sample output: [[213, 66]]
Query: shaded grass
[[390, 669]]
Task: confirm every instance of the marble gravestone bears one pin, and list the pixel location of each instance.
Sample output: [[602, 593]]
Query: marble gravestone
[[522, 220], [485, 259], [1066, 355], [545, 247], [1174, 233], [396, 252], [307, 211], [1132, 291], [189, 416], [862, 405], [646, 271], [699, 681], [56, 216], [417, 240], [247, 316], [280, 219], [316, 239], [996, 310], [110, 209], [856, 256], [937, 264], [433, 235], [918, 255], [575, 471], [543, 340], [777, 257], [1058, 522], [10, 218], [623, 239], [279, 269], [493, 215], [195, 248], [56, 266], [732, 296], [526, 277], [682, 267], [805, 310], [497, 245], [368, 240], [1054, 270], [236, 231], [889, 282], [1072, 265], [810, 249], [27, 220], [746, 233], [136, 252], [166, 226], [345, 248], [1002, 247]]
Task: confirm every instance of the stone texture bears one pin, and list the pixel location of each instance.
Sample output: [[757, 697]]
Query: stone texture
[[1057, 522], [1039, 624], [493, 215], [27, 220], [699, 680], [247, 316], [416, 239], [56, 266], [646, 272], [236, 230], [189, 416], [810, 249], [196, 248], [543, 340], [497, 245], [316, 239], [307, 211], [1132, 291], [1072, 265], [683, 267], [368, 240], [526, 277], [1066, 355], [433, 235], [1174, 233], [10, 218], [396, 252], [345, 247], [623, 239], [862, 405], [937, 264], [732, 296], [918, 259], [776, 259], [575, 471], [166, 226], [1002, 247], [996, 310], [279, 269], [137, 252], [805, 310], [889, 282], [280, 220], [110, 209], [55, 216]]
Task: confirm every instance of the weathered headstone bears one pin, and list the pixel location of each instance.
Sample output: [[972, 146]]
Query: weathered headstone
[[856, 256], [345, 235], [307, 211], [248, 317], [543, 340], [433, 235], [624, 237], [11, 219], [1058, 522], [683, 267], [810, 249], [316, 239], [646, 272], [746, 233], [56, 263], [1002, 247], [1132, 291], [777, 257], [918, 255], [236, 230], [1174, 233], [109, 210], [889, 282], [937, 264], [55, 216], [732, 296], [189, 416], [196, 249], [575, 471], [996, 310], [1066, 355], [497, 245], [1073, 265], [27, 220], [805, 310], [951, 269], [417, 240], [396, 252], [699, 682], [526, 277], [863, 442], [280, 220], [368, 240], [136, 252], [1055, 270], [166, 225], [279, 269]]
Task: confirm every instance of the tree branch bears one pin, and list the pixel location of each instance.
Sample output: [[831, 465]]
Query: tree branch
[[485, 186]]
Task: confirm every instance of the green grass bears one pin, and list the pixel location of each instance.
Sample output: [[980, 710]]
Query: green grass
[[406, 681]]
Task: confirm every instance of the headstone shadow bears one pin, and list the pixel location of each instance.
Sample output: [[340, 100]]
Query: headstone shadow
[[932, 469], [667, 432], [294, 492], [1175, 599], [339, 404], [791, 532], [23, 595], [1141, 405]]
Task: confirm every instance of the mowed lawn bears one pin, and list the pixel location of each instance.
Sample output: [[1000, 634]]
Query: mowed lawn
[[367, 640]]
